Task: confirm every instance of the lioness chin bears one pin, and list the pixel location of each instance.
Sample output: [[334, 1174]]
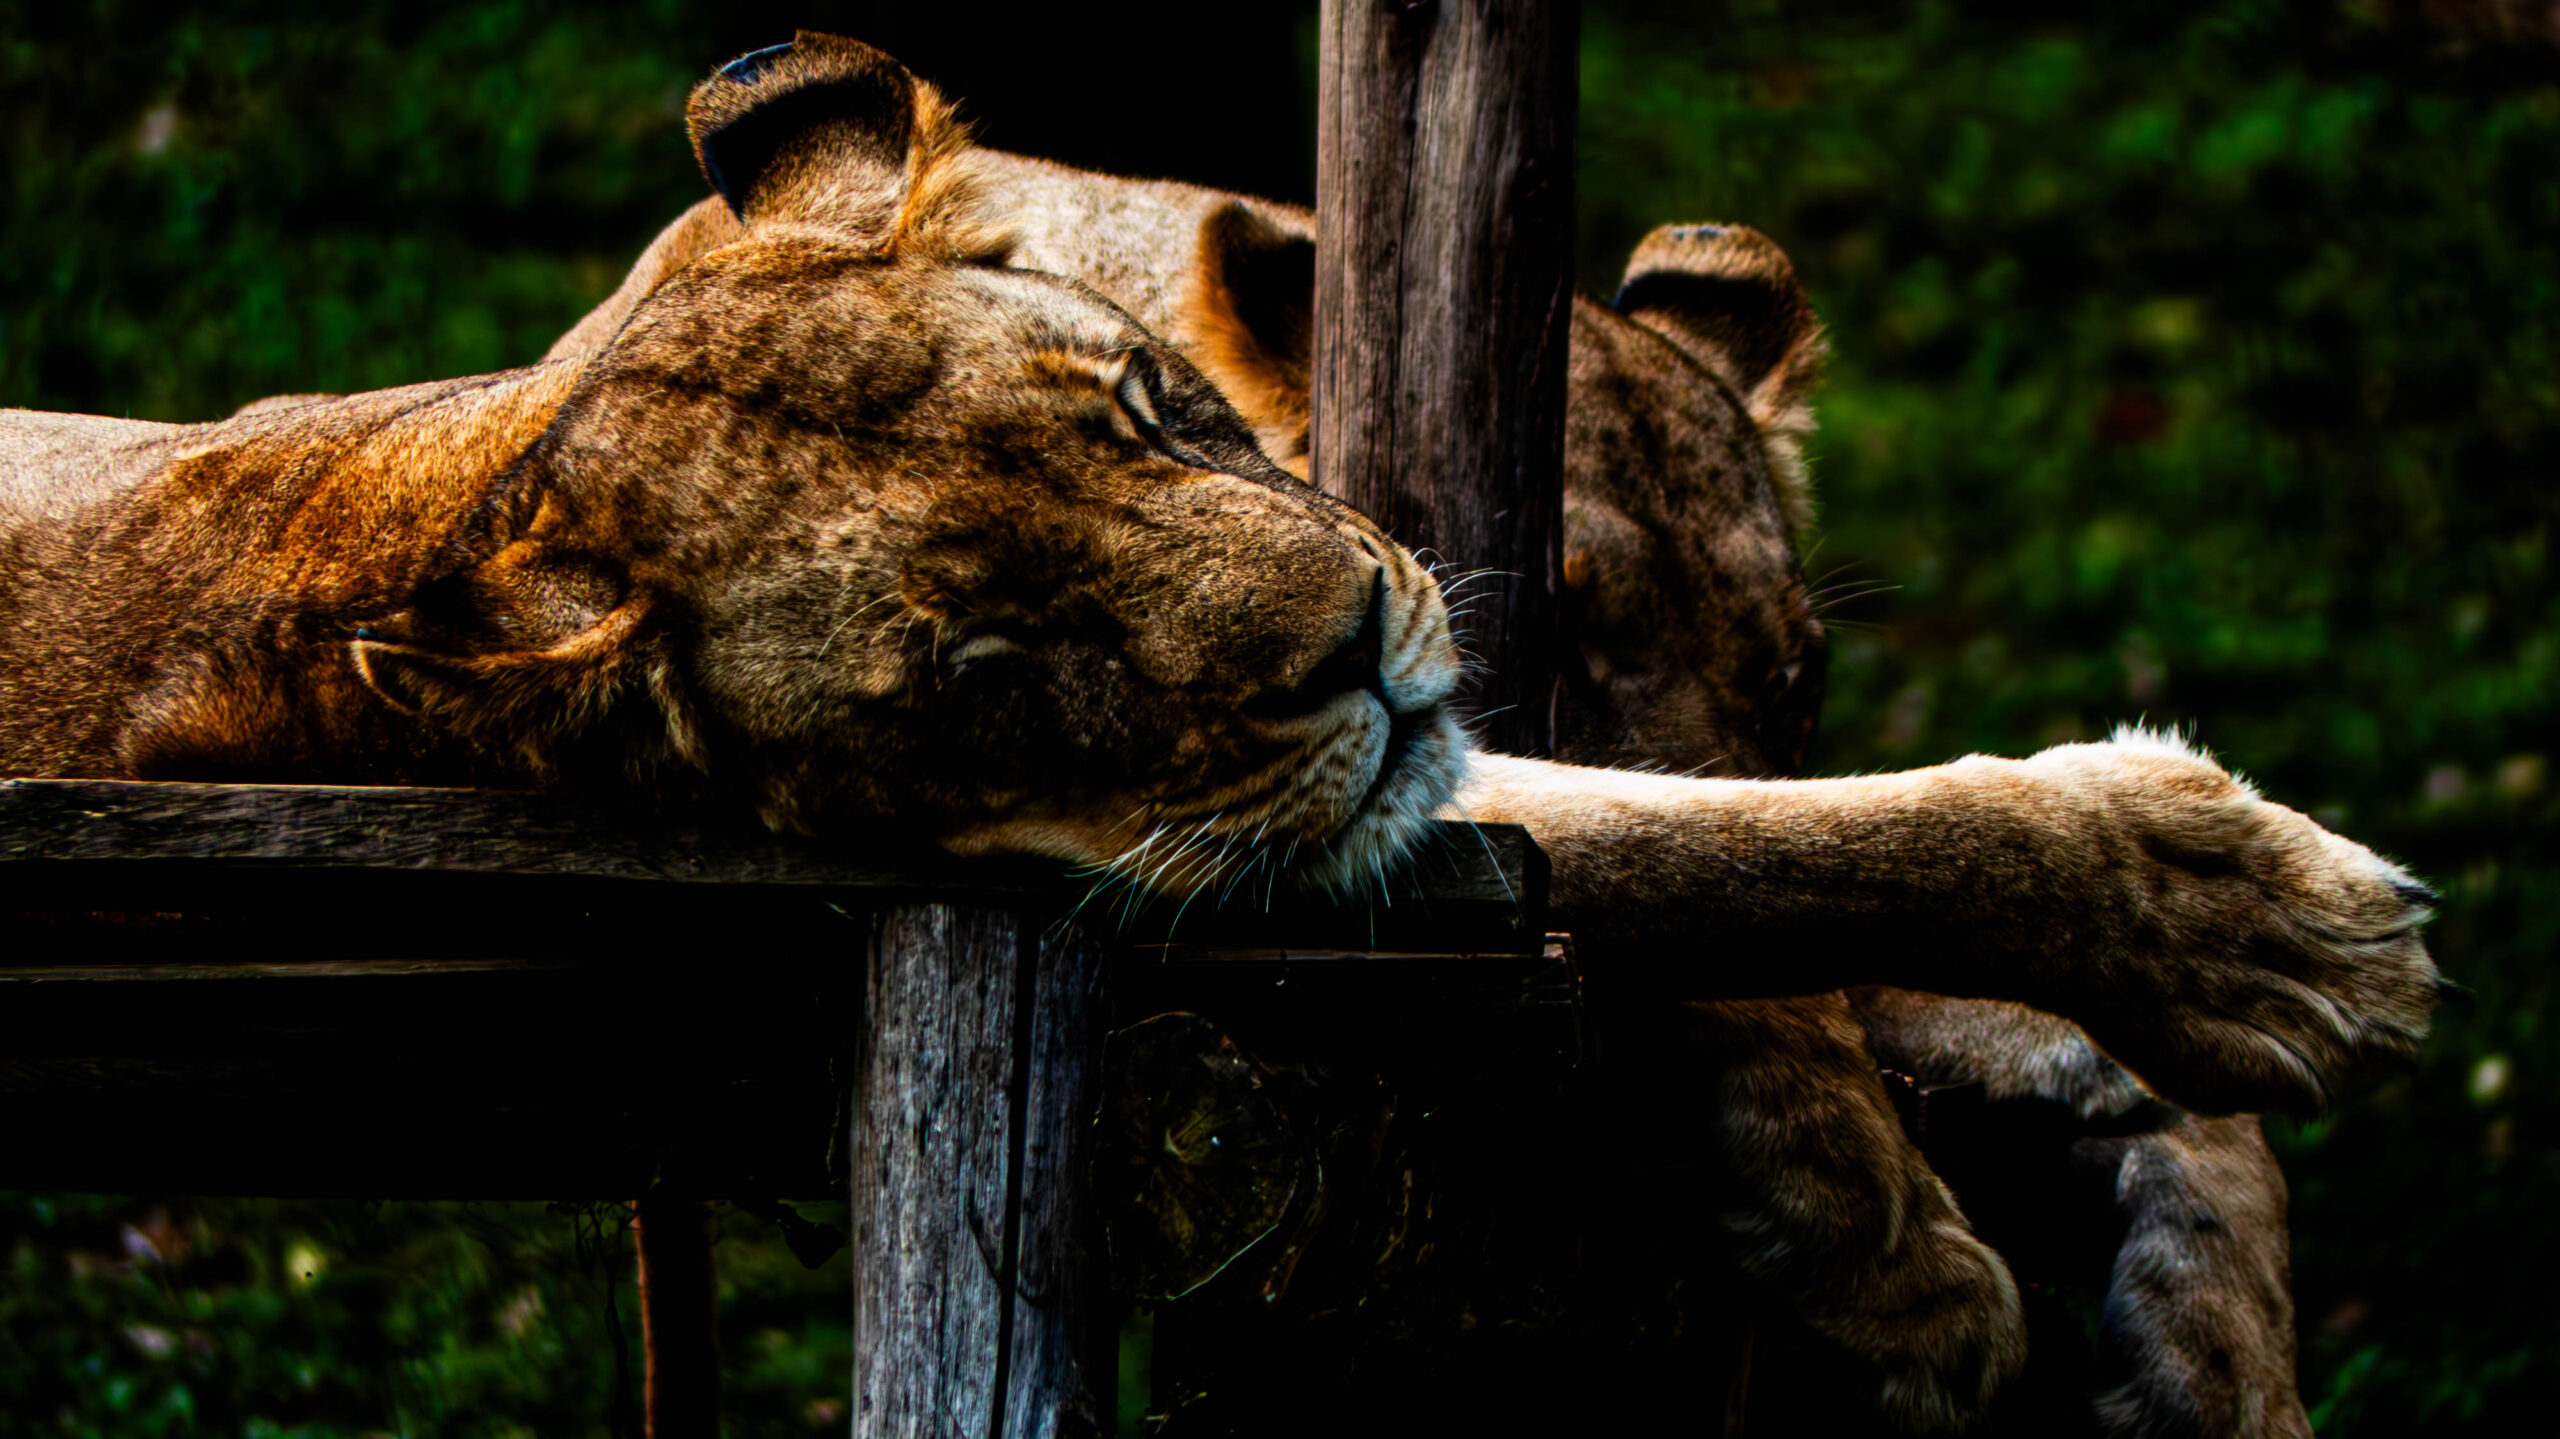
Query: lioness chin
[[848, 519]]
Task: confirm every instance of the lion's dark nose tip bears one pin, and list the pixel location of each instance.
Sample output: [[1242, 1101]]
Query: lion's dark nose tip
[[1354, 663], [2412, 892], [1353, 666]]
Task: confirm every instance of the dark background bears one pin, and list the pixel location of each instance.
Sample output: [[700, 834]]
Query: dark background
[[2195, 362]]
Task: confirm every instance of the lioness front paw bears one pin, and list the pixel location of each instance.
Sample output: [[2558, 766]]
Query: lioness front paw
[[1840, 1213], [2236, 956]]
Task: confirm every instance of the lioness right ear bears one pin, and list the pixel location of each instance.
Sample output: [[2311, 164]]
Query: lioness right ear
[[1728, 297], [520, 700], [1252, 305], [828, 131], [519, 653]]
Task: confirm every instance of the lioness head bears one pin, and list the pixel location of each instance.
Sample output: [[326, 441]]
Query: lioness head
[[854, 518]]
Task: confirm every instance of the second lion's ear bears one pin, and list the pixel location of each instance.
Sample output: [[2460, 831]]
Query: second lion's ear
[[1728, 297], [825, 131], [1252, 308]]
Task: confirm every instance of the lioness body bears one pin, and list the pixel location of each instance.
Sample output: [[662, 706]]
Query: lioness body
[[167, 583], [845, 519]]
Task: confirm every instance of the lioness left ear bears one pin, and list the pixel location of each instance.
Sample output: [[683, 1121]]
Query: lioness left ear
[[826, 131], [515, 694]]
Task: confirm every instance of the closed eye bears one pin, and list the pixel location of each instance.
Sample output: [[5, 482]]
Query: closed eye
[[1136, 391], [975, 649], [1140, 406]]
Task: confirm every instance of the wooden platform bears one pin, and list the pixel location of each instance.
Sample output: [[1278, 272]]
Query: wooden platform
[[448, 993]]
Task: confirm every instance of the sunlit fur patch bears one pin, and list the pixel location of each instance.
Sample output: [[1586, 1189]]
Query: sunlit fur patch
[[1065, 370]]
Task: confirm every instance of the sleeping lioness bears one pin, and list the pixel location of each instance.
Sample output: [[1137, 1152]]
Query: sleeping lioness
[[1686, 494], [850, 520]]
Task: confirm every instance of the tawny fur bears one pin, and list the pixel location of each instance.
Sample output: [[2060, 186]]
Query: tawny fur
[[2202, 1297], [2200, 1309], [1699, 651], [2231, 953], [1836, 1211], [1686, 599]]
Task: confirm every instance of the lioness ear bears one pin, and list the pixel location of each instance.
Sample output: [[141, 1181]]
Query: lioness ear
[[1252, 307], [514, 656], [1729, 298], [828, 131]]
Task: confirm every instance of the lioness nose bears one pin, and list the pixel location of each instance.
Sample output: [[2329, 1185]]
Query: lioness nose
[[1356, 664]]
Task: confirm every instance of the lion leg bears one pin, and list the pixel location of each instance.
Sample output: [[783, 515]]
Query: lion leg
[[1838, 1212], [2229, 951], [2012, 1051], [2200, 1305], [2199, 1309]]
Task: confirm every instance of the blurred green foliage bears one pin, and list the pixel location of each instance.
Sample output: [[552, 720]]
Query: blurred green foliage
[[2194, 362], [213, 208], [299, 1319]]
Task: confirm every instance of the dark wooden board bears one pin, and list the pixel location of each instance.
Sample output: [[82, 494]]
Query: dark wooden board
[[383, 872], [430, 993]]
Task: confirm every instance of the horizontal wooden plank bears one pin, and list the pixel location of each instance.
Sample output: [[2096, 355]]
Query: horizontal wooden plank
[[328, 828], [420, 868], [324, 990]]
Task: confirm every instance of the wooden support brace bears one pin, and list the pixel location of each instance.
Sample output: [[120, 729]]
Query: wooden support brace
[[281, 989], [978, 1306]]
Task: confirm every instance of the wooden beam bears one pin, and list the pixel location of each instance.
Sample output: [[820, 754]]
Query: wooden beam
[[314, 829], [320, 990], [1444, 245], [978, 1306], [439, 993], [342, 872]]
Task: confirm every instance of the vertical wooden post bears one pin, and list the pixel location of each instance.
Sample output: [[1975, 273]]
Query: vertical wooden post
[[977, 1309], [1444, 243], [677, 1304]]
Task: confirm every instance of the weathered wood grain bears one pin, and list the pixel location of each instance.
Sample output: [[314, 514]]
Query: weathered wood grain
[[1063, 1361], [454, 831], [341, 872], [972, 1310], [1444, 222]]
